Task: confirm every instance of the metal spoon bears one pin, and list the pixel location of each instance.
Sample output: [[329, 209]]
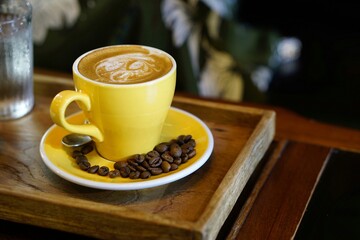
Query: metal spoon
[[75, 140]]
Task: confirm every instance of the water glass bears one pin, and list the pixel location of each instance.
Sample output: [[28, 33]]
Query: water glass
[[16, 59]]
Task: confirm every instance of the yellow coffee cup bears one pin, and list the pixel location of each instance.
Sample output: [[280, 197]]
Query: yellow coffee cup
[[124, 115]]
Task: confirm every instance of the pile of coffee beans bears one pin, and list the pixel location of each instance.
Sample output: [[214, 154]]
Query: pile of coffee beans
[[165, 157]]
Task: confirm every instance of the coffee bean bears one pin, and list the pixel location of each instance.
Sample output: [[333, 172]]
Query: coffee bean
[[177, 161], [76, 153], [114, 173], [81, 158], [192, 142], [165, 166], [155, 161], [134, 175], [173, 166], [192, 153], [139, 158], [85, 165], [132, 162], [145, 164], [187, 138], [167, 157], [180, 139], [156, 171], [93, 169], [184, 158], [187, 147], [124, 171], [145, 175], [140, 168], [132, 168], [152, 154], [87, 149], [162, 147], [120, 164], [175, 150], [171, 142], [103, 171]]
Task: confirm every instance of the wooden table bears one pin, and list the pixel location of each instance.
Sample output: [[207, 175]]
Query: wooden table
[[273, 201]]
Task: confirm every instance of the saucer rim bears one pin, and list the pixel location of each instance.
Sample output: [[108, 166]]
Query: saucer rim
[[149, 183]]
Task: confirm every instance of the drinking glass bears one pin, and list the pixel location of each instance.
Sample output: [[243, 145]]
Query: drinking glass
[[16, 59]]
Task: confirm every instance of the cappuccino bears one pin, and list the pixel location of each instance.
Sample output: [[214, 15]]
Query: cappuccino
[[125, 64], [123, 116]]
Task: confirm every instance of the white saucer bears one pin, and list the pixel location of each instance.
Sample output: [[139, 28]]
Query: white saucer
[[179, 122]]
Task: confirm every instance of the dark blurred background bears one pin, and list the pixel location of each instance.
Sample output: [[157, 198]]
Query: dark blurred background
[[327, 82], [302, 55]]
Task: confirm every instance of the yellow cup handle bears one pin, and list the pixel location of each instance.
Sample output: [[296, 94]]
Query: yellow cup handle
[[57, 112]]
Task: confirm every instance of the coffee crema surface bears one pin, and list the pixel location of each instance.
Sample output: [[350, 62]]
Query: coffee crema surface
[[124, 65]]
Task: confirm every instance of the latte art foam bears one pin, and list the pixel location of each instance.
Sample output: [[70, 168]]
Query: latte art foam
[[124, 65], [127, 68]]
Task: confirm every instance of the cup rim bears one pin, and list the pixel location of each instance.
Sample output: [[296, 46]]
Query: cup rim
[[127, 85]]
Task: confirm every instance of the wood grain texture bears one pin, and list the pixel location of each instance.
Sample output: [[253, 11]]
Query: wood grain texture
[[271, 158], [280, 205], [192, 208]]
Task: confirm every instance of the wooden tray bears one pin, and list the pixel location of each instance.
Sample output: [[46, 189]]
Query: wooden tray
[[194, 207]]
